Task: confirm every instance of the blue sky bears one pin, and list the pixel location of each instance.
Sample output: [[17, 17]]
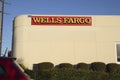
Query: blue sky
[[54, 7]]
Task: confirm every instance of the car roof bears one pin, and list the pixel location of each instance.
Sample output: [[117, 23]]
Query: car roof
[[7, 58]]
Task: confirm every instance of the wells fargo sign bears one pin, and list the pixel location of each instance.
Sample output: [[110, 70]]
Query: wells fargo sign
[[61, 20]]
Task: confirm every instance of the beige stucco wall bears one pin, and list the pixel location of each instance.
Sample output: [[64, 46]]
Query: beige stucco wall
[[72, 44]]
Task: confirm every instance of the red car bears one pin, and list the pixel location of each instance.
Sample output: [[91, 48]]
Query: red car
[[9, 70]]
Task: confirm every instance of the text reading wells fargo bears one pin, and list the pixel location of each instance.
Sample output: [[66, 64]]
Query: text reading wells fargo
[[61, 20]]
